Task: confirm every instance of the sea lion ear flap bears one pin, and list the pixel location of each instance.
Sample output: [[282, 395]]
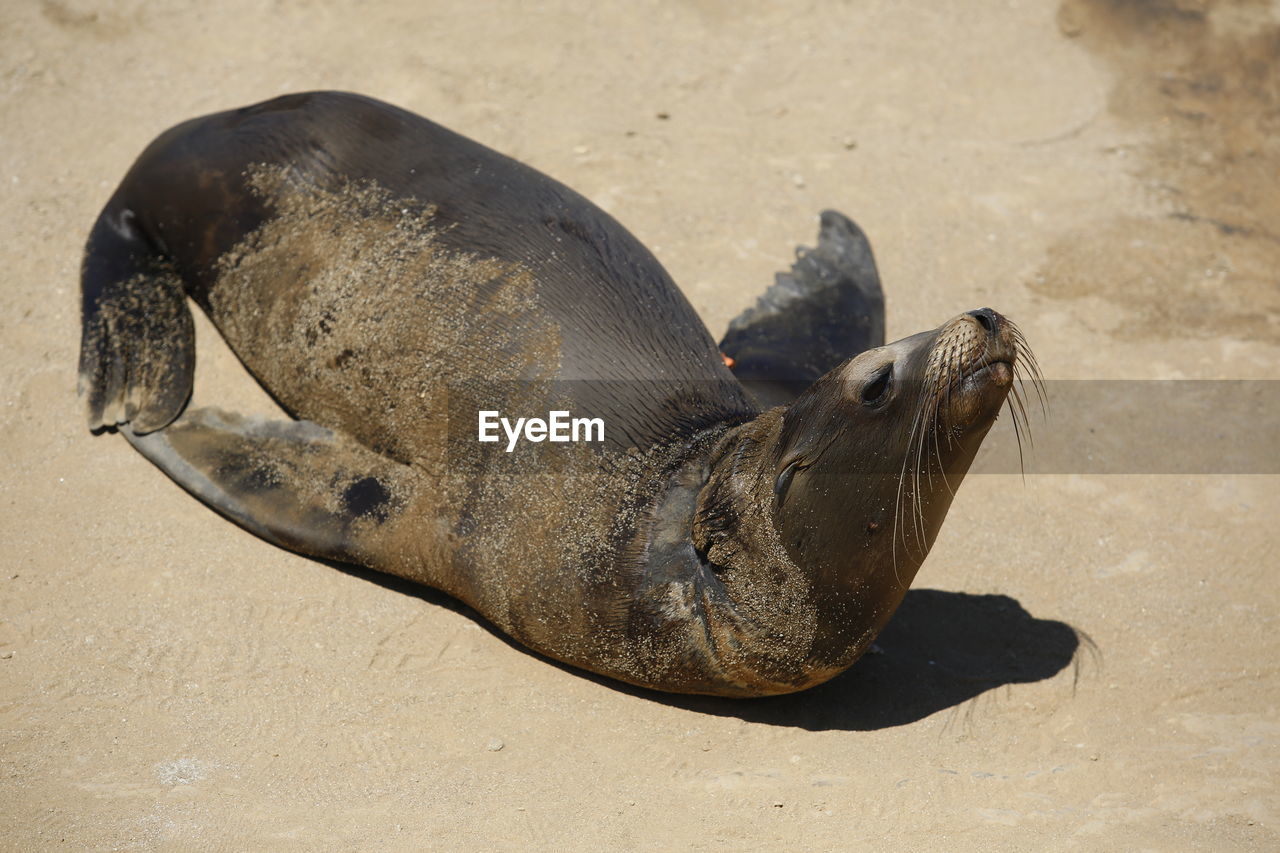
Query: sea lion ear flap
[[828, 308], [294, 483]]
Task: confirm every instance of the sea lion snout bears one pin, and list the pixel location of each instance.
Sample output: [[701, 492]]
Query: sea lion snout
[[972, 366], [999, 331], [976, 340], [989, 320]]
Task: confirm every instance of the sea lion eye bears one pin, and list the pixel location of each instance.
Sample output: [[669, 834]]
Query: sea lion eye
[[875, 391]]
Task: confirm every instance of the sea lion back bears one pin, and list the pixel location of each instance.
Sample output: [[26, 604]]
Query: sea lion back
[[275, 217]]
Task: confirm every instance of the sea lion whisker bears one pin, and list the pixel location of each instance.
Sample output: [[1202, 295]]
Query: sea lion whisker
[[930, 433], [919, 520], [911, 463], [1027, 356], [900, 507], [942, 468], [1015, 396], [924, 478], [897, 513], [1018, 435], [948, 383], [902, 480]]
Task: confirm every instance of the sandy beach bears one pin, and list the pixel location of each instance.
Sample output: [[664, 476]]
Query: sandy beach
[[1087, 660]]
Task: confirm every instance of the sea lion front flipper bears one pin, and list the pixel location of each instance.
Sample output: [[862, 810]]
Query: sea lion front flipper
[[294, 483], [137, 341], [828, 308]]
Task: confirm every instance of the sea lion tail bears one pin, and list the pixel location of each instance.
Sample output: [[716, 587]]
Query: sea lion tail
[[137, 343]]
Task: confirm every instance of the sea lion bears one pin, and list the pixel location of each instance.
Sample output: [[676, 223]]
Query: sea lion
[[387, 281]]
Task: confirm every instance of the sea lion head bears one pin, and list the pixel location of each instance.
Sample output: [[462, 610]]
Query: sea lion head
[[869, 457]]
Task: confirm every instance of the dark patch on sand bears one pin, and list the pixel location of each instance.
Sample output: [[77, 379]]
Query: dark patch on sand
[[1201, 80]]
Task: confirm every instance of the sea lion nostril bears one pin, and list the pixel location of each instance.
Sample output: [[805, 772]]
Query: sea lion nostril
[[986, 318]]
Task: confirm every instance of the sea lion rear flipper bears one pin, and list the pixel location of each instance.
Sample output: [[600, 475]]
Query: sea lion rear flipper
[[294, 483], [825, 310], [137, 341]]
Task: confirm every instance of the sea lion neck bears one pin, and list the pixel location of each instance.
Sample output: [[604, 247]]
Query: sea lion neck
[[733, 523], [774, 623], [715, 546]]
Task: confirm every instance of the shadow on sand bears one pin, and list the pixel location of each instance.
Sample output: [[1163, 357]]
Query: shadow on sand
[[940, 650]]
